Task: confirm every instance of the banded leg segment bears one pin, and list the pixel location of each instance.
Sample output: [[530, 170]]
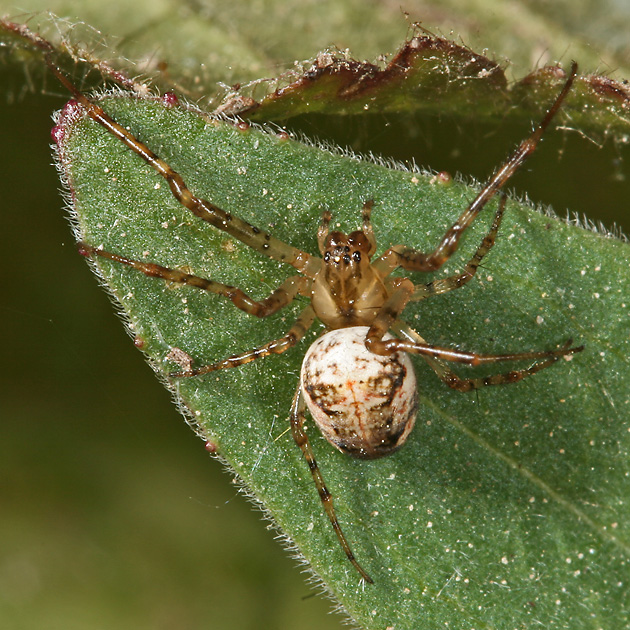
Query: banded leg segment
[[391, 346], [299, 435], [413, 260], [278, 299], [443, 285], [245, 232], [277, 346], [387, 318], [451, 379]]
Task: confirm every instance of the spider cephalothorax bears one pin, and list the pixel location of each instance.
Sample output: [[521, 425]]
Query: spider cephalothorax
[[347, 291], [357, 380]]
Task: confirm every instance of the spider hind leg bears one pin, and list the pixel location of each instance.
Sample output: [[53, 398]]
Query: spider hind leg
[[437, 357], [299, 435]]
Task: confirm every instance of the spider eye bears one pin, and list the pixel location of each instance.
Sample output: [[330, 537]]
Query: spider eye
[[356, 256], [346, 259], [326, 256]]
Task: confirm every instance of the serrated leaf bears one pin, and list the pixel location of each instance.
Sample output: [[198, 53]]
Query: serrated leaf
[[425, 73], [506, 507], [437, 76]]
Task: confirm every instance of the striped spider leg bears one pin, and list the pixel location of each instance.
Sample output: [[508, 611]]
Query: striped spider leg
[[356, 381]]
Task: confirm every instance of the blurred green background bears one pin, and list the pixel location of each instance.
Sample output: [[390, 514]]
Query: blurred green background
[[111, 512]]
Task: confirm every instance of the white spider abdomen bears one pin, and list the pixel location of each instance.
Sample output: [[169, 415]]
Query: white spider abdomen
[[365, 404]]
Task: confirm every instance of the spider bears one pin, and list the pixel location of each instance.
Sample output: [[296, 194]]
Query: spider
[[357, 381]]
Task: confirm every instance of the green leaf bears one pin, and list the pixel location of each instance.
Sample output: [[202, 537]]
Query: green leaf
[[506, 507], [206, 41], [592, 174], [422, 73], [437, 76]]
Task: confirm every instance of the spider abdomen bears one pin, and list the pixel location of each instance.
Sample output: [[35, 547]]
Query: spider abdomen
[[363, 403]]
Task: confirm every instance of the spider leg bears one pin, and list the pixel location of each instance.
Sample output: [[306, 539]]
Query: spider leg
[[387, 317], [443, 285], [413, 260], [299, 435], [276, 346], [245, 232], [466, 384], [278, 299], [375, 343]]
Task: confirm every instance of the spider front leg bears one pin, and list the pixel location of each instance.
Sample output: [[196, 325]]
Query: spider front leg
[[414, 260], [299, 435], [442, 285], [245, 232], [404, 291]]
